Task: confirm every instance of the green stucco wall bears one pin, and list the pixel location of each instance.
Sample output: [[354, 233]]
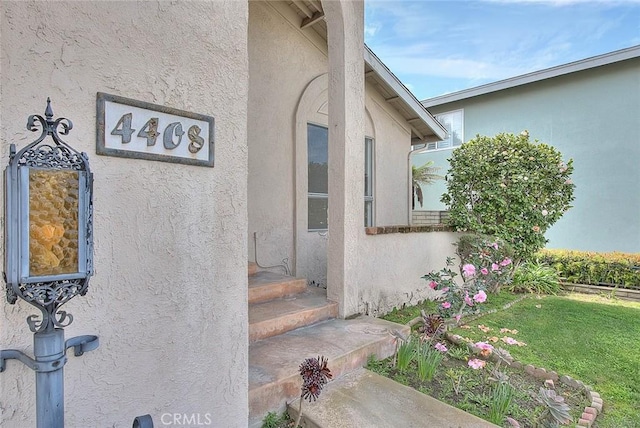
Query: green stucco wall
[[592, 116]]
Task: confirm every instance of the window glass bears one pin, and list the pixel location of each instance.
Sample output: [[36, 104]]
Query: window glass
[[318, 212], [368, 182], [453, 122], [318, 152], [318, 178]]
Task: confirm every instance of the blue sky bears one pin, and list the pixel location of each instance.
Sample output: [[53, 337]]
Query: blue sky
[[438, 47]]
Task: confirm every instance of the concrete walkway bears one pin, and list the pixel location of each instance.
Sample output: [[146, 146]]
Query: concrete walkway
[[363, 399]]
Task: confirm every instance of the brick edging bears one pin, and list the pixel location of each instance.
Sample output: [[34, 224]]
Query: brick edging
[[590, 412], [384, 230]]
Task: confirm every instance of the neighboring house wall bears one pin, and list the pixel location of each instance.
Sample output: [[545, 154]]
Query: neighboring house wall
[[169, 296], [590, 116]]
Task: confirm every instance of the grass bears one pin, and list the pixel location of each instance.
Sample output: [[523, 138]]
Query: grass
[[404, 315], [590, 338]]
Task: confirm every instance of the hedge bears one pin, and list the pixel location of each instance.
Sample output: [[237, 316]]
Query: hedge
[[582, 267]]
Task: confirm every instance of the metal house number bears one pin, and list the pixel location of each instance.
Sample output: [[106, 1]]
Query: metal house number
[[131, 128]]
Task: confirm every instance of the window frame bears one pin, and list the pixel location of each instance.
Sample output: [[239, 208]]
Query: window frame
[[434, 146], [369, 179], [317, 195]]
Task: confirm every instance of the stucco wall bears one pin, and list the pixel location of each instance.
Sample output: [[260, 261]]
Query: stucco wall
[[592, 117], [169, 295], [288, 89], [392, 145], [283, 62], [394, 280]]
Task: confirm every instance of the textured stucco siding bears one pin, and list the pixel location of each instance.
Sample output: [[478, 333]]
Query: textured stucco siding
[[169, 295], [283, 62], [401, 259], [592, 117], [288, 88], [392, 145]]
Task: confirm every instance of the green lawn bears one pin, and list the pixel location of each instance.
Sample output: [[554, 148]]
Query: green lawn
[[404, 315], [593, 339]]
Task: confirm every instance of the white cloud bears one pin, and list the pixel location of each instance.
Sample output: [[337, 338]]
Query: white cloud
[[453, 68], [371, 29]]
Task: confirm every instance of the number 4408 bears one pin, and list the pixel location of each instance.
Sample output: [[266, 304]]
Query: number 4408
[[171, 137]]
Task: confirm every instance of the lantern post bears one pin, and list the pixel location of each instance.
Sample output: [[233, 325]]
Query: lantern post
[[48, 191]]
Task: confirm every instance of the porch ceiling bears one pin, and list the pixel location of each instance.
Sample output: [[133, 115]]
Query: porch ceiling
[[311, 15], [424, 127]]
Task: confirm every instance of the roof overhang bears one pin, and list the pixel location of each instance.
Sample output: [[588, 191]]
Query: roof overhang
[[424, 127], [548, 73], [308, 15]]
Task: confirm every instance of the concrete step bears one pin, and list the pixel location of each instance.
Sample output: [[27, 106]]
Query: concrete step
[[265, 285], [274, 379], [268, 319], [363, 399], [252, 268]]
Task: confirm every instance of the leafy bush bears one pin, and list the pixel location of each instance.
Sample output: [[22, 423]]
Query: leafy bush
[[535, 277], [582, 267], [509, 187]]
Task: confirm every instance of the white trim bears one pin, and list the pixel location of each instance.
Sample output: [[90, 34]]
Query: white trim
[[548, 73]]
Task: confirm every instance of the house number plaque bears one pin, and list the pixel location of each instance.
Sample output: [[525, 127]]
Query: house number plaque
[[137, 129]]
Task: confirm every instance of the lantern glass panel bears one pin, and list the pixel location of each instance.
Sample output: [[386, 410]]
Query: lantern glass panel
[[53, 221]]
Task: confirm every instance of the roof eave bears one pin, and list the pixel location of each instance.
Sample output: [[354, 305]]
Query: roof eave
[[548, 73], [438, 132]]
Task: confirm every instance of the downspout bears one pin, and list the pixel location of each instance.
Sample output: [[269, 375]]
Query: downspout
[[414, 149]]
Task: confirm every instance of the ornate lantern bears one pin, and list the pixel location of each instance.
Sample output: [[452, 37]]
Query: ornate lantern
[[48, 251]]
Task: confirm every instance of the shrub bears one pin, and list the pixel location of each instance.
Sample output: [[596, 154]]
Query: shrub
[[509, 187], [535, 277], [583, 267]]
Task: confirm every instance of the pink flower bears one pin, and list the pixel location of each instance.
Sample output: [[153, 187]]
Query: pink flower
[[468, 270], [485, 348], [440, 347], [505, 262], [446, 305], [484, 271], [433, 284], [476, 363], [468, 300], [481, 297], [495, 267], [445, 289], [457, 317], [495, 245]]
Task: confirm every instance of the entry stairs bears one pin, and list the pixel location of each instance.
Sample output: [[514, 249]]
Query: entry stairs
[[289, 322]]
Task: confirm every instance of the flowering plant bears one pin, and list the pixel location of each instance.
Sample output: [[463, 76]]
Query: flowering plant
[[489, 260], [315, 374], [486, 264]]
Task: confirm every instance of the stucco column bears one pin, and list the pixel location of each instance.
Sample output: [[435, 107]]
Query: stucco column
[[345, 21]]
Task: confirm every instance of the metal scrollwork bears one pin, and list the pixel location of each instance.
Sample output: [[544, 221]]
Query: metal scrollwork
[[54, 291]]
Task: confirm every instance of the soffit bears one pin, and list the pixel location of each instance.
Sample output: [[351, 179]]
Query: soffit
[[311, 16]]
